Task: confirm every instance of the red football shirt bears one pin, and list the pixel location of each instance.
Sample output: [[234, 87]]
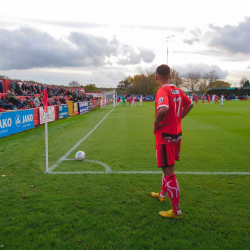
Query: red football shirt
[[173, 98]]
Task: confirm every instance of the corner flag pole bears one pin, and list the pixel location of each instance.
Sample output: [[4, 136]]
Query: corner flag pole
[[45, 107]]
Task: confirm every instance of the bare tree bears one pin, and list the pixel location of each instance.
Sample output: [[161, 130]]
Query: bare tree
[[4, 77], [203, 85], [242, 81], [74, 84], [192, 80], [212, 77], [175, 78]]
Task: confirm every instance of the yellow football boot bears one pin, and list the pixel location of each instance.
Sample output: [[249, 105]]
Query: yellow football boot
[[170, 214], [157, 196]]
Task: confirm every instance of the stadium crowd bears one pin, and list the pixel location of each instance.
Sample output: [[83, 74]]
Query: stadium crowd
[[22, 95]]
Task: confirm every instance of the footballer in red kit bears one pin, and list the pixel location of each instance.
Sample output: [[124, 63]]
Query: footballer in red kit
[[208, 98], [129, 101], [196, 99], [216, 99], [171, 105], [203, 99]]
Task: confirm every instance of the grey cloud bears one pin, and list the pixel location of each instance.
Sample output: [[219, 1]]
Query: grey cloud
[[113, 74], [129, 56], [69, 24], [201, 67], [192, 35], [232, 39], [27, 48], [248, 67], [7, 21], [149, 27], [221, 55], [191, 41]]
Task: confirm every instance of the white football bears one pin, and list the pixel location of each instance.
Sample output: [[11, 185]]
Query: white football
[[80, 155]]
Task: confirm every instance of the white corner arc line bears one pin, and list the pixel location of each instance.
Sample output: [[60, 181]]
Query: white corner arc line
[[77, 144], [107, 168]]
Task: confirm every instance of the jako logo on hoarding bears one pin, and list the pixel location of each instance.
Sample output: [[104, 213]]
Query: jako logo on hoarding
[[18, 120], [5, 123], [27, 118]]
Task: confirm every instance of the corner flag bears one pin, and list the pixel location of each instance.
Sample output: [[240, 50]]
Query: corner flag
[[45, 101], [45, 108]]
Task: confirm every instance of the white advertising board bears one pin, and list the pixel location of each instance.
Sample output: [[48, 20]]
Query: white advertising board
[[50, 114]]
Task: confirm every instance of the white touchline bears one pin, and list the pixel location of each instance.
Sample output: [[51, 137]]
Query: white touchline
[[150, 172], [190, 116], [77, 144], [149, 105], [130, 117]]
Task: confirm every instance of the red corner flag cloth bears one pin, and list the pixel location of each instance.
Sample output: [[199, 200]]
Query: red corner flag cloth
[[45, 101]]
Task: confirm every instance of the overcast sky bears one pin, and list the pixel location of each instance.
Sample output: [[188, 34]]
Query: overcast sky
[[102, 42]]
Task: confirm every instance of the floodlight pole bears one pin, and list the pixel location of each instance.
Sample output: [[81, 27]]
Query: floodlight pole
[[168, 37]]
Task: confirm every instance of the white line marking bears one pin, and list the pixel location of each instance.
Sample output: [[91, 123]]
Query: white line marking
[[151, 172], [131, 117], [107, 168], [190, 116], [149, 105], [77, 144]]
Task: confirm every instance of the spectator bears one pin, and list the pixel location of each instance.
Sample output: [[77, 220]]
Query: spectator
[[23, 86], [62, 99], [5, 104], [27, 102], [37, 102], [1, 86], [18, 89], [11, 97], [12, 85], [21, 103]]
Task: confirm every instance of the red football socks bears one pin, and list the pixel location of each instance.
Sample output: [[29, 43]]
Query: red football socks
[[163, 187], [170, 184]]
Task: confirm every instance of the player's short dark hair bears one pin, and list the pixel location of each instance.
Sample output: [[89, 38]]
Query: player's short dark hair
[[163, 71]]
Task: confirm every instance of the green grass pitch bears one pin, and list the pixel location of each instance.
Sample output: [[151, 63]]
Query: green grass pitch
[[116, 210]]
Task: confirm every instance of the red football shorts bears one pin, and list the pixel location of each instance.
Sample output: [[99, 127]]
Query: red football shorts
[[166, 154]]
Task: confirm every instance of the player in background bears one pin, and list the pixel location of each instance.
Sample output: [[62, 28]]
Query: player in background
[[208, 99], [123, 100], [129, 101], [213, 99], [196, 97], [216, 99], [221, 100], [171, 106], [203, 99], [133, 101], [141, 100], [191, 98]]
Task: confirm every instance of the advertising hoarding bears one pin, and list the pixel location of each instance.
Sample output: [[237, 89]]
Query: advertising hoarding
[[91, 105], [16, 121], [50, 114], [63, 111], [83, 107]]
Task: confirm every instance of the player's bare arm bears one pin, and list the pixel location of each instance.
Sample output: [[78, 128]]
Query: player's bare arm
[[161, 112], [186, 110]]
